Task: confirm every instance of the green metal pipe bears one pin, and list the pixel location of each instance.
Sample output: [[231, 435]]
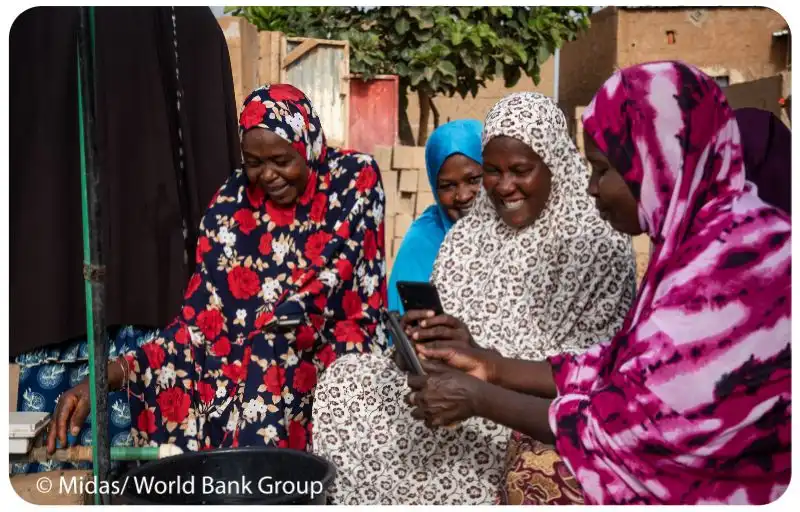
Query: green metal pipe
[[85, 453], [134, 453], [92, 250]]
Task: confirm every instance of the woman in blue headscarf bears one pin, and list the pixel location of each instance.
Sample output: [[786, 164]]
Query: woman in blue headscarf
[[453, 159]]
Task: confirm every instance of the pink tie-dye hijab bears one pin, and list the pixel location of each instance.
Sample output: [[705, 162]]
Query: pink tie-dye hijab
[[691, 401]]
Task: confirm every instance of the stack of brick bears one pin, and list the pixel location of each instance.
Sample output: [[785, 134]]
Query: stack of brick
[[408, 192]]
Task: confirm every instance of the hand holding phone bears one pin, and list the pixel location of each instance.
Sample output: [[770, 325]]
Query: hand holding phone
[[423, 328]]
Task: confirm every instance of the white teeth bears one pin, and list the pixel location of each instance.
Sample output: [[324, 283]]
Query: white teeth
[[513, 205]]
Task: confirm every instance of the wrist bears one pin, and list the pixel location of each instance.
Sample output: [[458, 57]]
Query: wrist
[[494, 368], [479, 399]]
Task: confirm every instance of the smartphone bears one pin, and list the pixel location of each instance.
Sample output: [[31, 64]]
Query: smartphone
[[403, 344], [419, 295]]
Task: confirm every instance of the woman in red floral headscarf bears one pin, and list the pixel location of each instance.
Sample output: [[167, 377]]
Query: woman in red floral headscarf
[[290, 274]]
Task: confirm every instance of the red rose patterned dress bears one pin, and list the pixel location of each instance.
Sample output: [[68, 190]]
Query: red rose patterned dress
[[229, 371]]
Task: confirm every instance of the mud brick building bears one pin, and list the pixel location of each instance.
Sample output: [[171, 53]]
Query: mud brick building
[[732, 44]]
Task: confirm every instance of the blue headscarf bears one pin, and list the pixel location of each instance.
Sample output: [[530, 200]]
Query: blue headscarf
[[420, 246]]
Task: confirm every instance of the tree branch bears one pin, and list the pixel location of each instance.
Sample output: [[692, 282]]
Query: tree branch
[[435, 111], [424, 116], [405, 133]]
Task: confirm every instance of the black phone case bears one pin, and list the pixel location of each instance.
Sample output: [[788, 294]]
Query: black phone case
[[403, 344], [419, 295]]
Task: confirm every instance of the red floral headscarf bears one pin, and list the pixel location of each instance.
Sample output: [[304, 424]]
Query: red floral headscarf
[[286, 111]]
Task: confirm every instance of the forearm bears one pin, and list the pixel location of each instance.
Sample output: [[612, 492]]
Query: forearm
[[521, 412], [529, 377]]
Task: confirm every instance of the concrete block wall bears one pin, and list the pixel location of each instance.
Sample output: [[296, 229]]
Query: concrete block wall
[[764, 94], [408, 193]]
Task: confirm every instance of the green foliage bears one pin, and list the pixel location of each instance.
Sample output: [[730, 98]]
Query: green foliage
[[438, 50]]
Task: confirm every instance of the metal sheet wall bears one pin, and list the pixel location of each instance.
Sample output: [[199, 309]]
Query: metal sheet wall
[[321, 74]]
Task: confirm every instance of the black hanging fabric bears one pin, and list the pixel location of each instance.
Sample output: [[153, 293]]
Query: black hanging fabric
[[143, 136]]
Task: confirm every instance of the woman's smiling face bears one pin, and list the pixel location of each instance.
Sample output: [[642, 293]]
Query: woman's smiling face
[[274, 165], [516, 180]]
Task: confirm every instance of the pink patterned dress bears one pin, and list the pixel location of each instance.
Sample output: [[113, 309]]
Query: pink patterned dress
[[690, 403]]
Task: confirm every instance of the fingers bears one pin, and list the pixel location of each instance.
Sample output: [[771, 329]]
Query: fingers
[[79, 416], [446, 418], [58, 426], [415, 315], [420, 410], [434, 367], [439, 332], [440, 320], [442, 327], [51, 433], [455, 355], [418, 414], [443, 351], [400, 362], [459, 347], [63, 420], [433, 416]]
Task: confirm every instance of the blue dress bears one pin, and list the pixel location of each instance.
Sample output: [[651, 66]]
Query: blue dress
[[46, 373]]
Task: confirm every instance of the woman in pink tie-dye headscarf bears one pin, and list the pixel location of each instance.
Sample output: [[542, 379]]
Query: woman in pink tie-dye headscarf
[[690, 402]]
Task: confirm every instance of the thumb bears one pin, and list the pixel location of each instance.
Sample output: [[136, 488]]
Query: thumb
[[452, 356]]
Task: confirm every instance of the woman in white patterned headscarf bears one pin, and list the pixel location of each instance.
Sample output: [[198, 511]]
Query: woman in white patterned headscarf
[[532, 271]]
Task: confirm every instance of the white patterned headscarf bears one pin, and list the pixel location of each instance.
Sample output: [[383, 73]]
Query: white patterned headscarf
[[561, 284]]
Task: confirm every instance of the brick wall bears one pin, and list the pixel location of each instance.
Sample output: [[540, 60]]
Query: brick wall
[[736, 42]]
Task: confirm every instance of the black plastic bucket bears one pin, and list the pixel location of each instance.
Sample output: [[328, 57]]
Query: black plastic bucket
[[231, 476]]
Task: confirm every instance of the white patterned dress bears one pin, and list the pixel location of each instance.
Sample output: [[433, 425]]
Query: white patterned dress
[[559, 285]]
